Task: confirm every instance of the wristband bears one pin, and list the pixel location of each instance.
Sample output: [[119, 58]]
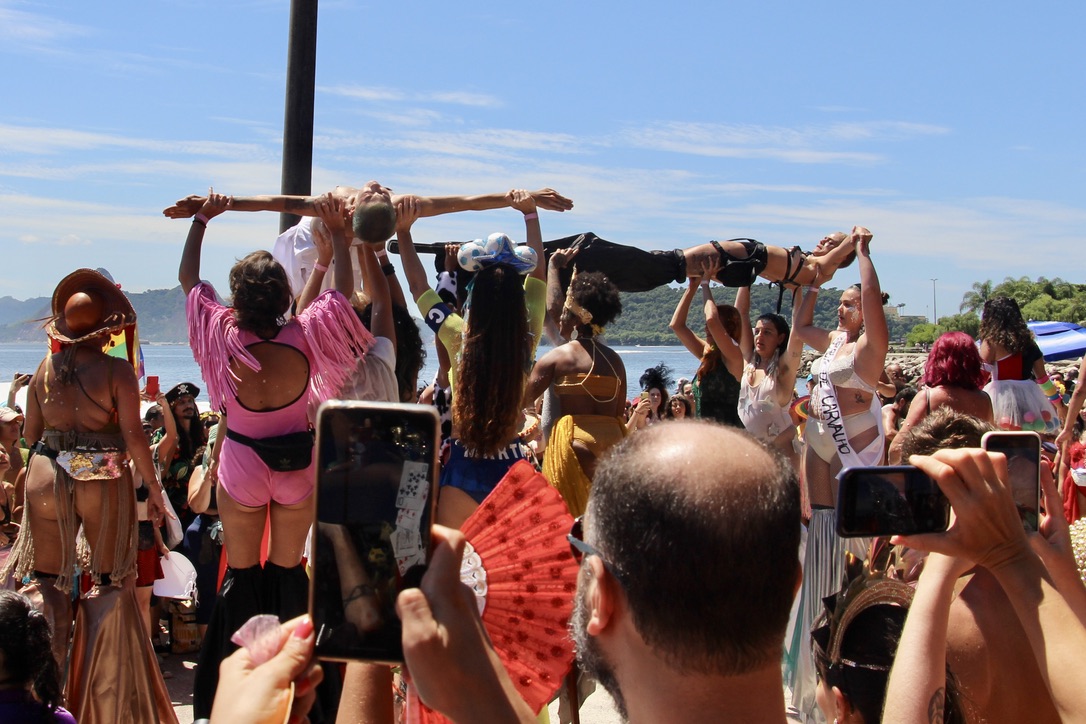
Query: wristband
[[1048, 387], [388, 269], [812, 289], [197, 221], [320, 267], [529, 217], [201, 218]]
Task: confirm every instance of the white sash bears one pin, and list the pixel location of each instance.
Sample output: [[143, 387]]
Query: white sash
[[830, 416]]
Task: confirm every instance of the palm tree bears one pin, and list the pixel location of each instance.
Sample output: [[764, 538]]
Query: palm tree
[[973, 300]]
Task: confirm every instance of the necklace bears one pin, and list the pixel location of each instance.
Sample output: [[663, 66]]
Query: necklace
[[592, 369]]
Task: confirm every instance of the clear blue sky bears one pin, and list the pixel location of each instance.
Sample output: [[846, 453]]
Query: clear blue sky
[[953, 130]]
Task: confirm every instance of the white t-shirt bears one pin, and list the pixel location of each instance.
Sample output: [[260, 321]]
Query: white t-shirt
[[296, 252]]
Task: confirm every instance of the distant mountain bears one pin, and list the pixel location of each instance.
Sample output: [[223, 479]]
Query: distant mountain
[[161, 314], [644, 320]]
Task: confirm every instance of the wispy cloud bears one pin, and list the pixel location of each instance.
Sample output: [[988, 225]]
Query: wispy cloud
[[812, 144], [20, 29], [30, 140], [379, 94]]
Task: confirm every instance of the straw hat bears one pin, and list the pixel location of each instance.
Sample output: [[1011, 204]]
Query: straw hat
[[87, 304]]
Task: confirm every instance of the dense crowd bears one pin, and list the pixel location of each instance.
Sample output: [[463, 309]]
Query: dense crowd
[[713, 583]]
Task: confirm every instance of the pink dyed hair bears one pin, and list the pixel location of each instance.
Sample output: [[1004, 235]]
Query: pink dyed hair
[[954, 361]]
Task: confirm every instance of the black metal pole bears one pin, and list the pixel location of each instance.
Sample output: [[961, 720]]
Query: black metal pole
[[298, 122]]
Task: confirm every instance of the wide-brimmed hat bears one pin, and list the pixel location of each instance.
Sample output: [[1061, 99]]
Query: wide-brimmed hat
[[179, 390], [87, 304]]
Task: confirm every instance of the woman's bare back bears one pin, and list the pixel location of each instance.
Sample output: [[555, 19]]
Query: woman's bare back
[[85, 403], [283, 377]]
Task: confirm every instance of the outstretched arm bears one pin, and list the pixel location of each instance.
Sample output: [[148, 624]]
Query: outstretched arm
[[693, 343], [522, 201], [556, 298], [1074, 407], [375, 285], [746, 334], [729, 347], [916, 690], [300, 205], [988, 531], [545, 198], [788, 365], [322, 241], [189, 271], [873, 344], [803, 322], [407, 211]]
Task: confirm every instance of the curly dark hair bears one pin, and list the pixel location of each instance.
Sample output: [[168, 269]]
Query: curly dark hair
[[494, 360], [1001, 323], [374, 222], [410, 350], [260, 292], [597, 294], [27, 650]]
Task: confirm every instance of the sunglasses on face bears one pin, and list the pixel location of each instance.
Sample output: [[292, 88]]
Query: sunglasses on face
[[579, 548]]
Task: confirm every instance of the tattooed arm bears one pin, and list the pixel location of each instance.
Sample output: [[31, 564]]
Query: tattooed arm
[[916, 691]]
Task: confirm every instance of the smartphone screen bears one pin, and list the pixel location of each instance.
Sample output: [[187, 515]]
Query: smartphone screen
[[889, 500], [1023, 451], [376, 493]]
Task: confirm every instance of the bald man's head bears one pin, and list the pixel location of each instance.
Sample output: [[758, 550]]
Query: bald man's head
[[703, 524]]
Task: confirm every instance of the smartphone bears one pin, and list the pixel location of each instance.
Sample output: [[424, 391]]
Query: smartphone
[[644, 395], [152, 386], [376, 495], [889, 500], [1023, 451]]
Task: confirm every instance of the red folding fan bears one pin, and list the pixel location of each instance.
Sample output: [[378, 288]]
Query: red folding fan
[[519, 564]]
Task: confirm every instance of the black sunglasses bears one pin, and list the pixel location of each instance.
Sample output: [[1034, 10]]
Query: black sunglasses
[[579, 549]]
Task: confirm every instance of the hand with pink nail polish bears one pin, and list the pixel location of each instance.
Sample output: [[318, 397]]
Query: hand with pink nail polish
[[282, 689]]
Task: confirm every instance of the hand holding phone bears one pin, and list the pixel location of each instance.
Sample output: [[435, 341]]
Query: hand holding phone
[[889, 500], [986, 528], [376, 493], [1023, 452]]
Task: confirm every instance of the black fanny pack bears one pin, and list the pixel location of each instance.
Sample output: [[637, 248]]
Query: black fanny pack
[[282, 453]]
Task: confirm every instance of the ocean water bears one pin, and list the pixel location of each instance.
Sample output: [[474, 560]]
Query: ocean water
[[174, 364]]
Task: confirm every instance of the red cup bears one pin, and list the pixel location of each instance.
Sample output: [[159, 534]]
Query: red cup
[[152, 386]]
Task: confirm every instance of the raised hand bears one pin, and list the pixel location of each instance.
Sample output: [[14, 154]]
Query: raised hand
[[452, 252], [986, 528], [184, 208], [407, 212], [861, 237], [215, 204], [322, 240], [561, 258], [331, 210], [710, 268], [551, 200], [521, 200]]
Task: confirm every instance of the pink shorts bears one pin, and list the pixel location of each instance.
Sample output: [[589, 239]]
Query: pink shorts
[[246, 479]]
